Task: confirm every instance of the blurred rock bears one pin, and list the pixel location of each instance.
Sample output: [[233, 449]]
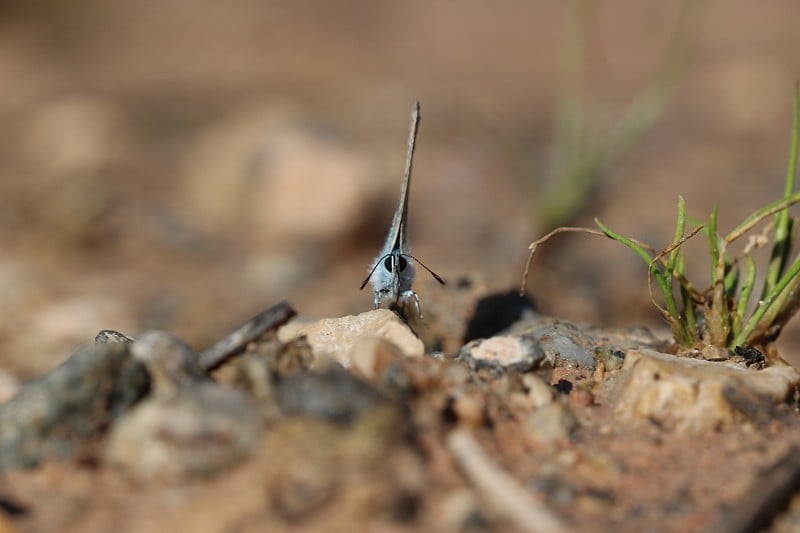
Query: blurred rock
[[336, 337], [539, 392], [609, 359], [551, 424], [369, 352], [346, 475], [65, 149], [70, 137], [189, 426], [9, 385], [564, 343], [64, 410], [685, 394], [333, 394], [269, 170]]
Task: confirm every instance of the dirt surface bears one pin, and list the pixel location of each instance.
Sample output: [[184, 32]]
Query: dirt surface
[[186, 166]]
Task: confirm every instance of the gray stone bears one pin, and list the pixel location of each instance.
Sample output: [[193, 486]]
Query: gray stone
[[58, 413]]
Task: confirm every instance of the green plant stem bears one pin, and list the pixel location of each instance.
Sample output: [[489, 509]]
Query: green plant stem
[[665, 285], [756, 320], [744, 296], [783, 222]]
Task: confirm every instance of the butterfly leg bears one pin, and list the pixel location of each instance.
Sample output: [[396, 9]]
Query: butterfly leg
[[410, 295]]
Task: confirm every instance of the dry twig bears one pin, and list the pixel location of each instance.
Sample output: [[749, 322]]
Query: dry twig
[[218, 353], [500, 489]]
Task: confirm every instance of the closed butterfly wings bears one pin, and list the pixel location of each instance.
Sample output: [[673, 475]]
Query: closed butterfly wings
[[392, 273]]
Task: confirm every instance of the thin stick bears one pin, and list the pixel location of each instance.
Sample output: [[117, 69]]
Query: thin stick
[[663, 253], [235, 343], [504, 493], [535, 244]]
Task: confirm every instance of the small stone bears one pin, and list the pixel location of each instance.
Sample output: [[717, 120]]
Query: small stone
[[169, 361], [469, 408], [581, 397], [714, 353], [539, 392], [500, 353], [550, 425], [692, 394], [609, 358], [110, 335], [561, 344], [336, 337]]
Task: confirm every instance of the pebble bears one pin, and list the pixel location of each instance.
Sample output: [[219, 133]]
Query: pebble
[[550, 425], [254, 169], [539, 392], [500, 353]]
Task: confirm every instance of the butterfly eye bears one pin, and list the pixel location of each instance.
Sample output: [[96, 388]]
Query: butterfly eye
[[402, 264], [387, 263]]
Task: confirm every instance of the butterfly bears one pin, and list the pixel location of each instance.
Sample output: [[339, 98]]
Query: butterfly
[[392, 273]]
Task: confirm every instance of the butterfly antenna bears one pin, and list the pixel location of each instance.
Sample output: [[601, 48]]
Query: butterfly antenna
[[431, 272], [371, 272]]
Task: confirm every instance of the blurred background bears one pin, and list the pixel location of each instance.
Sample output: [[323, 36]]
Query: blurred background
[[185, 164]]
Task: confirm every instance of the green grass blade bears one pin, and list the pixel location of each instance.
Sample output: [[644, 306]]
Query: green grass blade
[[757, 322], [640, 251], [783, 223], [680, 229], [744, 296], [689, 314], [713, 243]]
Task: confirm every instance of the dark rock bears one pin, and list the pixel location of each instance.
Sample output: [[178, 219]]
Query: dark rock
[[333, 394], [56, 414]]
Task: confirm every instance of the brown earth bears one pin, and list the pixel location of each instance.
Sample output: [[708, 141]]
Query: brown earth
[[183, 166]]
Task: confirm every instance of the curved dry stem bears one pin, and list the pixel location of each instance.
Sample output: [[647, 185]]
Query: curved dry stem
[[535, 244]]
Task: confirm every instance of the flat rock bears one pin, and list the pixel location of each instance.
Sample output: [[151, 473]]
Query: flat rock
[[685, 394], [336, 337]]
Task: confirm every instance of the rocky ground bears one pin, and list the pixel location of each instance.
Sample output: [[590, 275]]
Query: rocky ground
[[352, 422], [178, 168]]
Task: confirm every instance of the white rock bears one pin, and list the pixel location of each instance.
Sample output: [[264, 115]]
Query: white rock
[[502, 352], [336, 338]]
